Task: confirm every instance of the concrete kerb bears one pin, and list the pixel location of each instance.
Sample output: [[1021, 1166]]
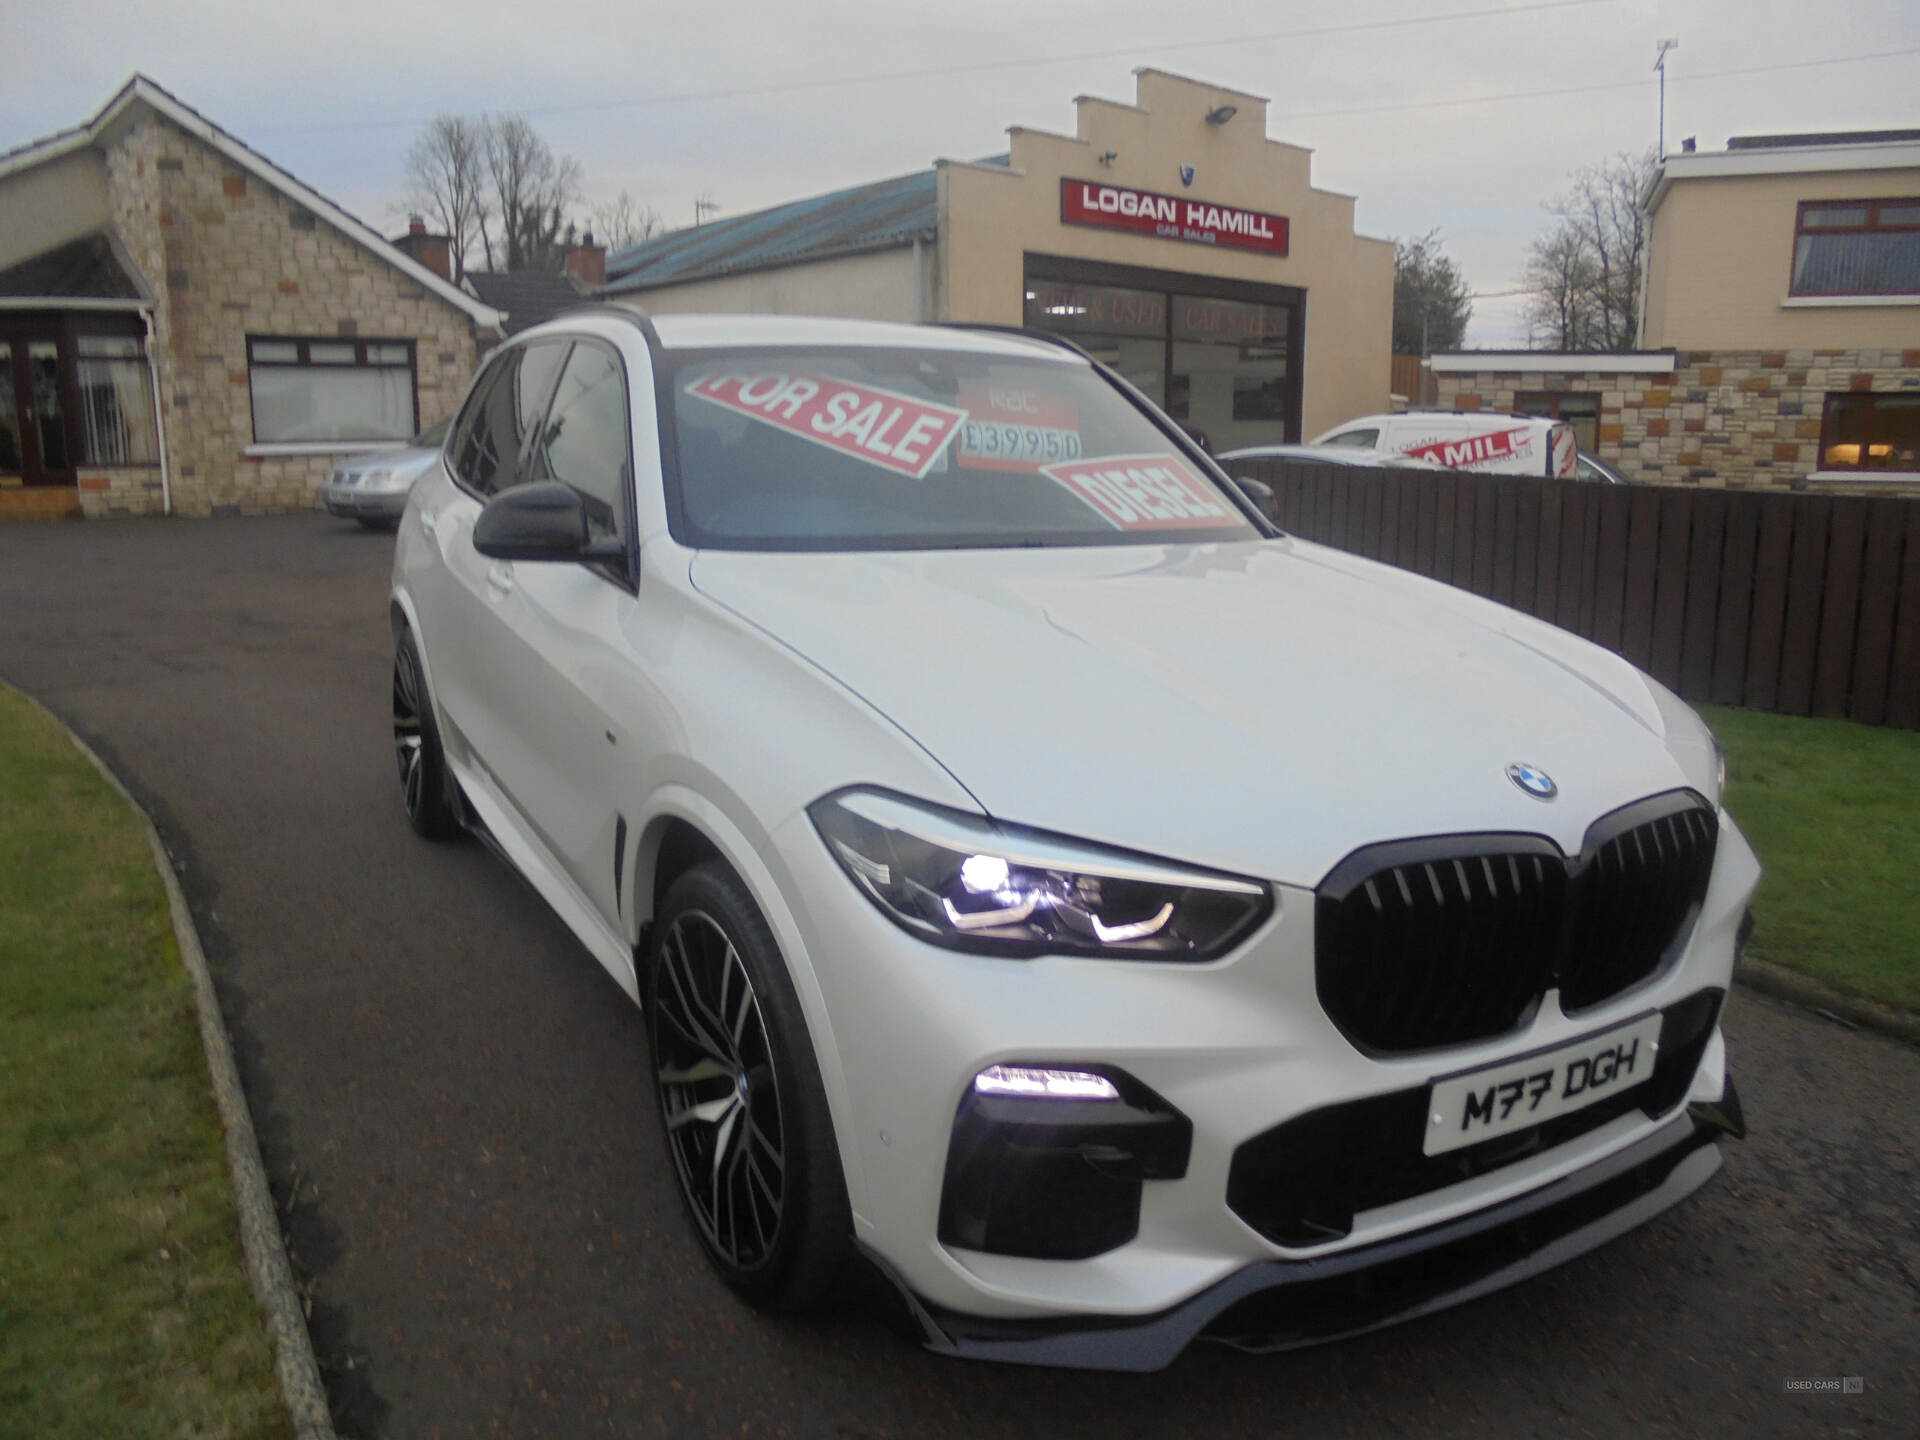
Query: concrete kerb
[[1811, 994], [268, 1269]]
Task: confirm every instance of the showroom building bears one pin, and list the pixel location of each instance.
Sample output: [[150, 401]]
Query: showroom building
[[1170, 237]]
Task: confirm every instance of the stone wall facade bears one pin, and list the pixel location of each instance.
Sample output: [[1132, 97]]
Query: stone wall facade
[[1732, 419], [128, 491], [230, 256]]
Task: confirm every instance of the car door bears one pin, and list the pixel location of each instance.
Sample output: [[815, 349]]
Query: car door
[[460, 593], [576, 711]]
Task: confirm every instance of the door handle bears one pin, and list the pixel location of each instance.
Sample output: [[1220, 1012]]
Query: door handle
[[499, 579], [430, 521]]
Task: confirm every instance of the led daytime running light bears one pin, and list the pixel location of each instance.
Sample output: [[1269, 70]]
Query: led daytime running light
[[1044, 1084]]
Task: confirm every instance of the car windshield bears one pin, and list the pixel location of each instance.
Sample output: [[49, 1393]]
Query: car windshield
[[861, 449]]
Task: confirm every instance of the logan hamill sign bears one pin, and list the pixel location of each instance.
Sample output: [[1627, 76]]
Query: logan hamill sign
[[1170, 217]]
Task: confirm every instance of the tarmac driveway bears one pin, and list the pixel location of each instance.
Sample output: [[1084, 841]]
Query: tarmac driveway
[[451, 1099]]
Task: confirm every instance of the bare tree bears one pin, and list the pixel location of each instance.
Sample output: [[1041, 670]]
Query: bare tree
[[446, 183], [1585, 272], [621, 222], [1560, 278], [532, 187]]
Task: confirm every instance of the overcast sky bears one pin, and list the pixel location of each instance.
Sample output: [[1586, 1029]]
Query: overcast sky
[[670, 101]]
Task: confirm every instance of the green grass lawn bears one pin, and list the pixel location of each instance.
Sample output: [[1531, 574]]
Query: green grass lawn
[[124, 1307], [1833, 809]]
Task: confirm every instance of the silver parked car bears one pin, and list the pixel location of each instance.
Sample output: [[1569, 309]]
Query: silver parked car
[[372, 488], [1596, 471]]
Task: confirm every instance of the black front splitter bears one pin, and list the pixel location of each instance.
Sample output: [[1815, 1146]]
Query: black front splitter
[[1286, 1304]]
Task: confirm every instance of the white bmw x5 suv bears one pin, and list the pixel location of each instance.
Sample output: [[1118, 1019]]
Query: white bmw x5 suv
[[1112, 919]]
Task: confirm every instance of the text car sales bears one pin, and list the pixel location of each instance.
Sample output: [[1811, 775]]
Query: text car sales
[[1200, 221]]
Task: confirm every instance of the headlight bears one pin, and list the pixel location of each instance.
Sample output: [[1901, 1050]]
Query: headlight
[[958, 880]]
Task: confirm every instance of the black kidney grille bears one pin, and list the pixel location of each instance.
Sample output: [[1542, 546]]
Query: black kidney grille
[[1440, 941], [1441, 948], [1639, 891]]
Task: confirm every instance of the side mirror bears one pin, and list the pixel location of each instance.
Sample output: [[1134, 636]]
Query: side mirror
[[1261, 494], [533, 522]]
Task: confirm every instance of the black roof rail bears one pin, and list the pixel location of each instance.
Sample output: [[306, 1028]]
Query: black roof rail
[[604, 307]]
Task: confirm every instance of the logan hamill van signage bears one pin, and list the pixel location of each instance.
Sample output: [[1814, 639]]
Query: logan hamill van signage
[[1171, 217]]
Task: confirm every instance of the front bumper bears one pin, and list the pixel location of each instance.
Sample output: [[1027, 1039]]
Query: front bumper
[[1237, 1046], [352, 503], [1276, 1305]]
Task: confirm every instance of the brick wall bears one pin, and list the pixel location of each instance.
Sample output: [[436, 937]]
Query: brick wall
[[1732, 419], [231, 256]]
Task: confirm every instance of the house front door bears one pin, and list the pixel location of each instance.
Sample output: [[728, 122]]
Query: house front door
[[36, 434]]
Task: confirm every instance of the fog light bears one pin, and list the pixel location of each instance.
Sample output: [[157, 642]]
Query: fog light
[[1049, 1163], [1047, 1084]]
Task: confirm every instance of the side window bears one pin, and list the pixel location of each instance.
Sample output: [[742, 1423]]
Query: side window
[[539, 367], [497, 430], [585, 441], [486, 447], [1357, 439]]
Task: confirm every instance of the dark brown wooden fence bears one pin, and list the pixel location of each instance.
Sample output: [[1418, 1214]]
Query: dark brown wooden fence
[[1800, 604]]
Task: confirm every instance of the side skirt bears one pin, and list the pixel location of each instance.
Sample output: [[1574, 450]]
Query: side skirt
[[491, 820]]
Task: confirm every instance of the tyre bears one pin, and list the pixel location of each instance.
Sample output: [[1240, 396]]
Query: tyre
[[379, 522], [741, 1104], [426, 789]]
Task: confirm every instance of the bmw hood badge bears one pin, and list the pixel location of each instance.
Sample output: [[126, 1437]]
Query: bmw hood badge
[[1535, 781]]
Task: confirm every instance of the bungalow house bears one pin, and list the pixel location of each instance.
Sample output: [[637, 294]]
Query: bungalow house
[[185, 328]]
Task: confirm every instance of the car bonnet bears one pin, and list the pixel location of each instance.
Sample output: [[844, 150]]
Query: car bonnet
[[1261, 707]]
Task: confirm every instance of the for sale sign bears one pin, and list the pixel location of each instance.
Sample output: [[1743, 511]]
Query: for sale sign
[[1171, 217], [881, 427], [1144, 492]]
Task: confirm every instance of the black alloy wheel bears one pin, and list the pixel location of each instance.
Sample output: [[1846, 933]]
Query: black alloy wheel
[[425, 787], [740, 1100], [719, 1097]]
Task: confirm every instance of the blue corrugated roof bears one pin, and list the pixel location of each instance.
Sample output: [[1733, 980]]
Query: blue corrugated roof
[[845, 222]]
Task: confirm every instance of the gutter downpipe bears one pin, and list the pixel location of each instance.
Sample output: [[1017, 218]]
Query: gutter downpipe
[[159, 416], [919, 285]]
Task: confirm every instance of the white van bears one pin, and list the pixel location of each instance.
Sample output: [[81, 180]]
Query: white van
[[1482, 440]]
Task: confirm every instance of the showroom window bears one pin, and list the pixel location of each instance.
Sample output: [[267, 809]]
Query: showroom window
[[1581, 411], [1860, 431], [317, 392], [116, 401], [1217, 355], [1857, 247]]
